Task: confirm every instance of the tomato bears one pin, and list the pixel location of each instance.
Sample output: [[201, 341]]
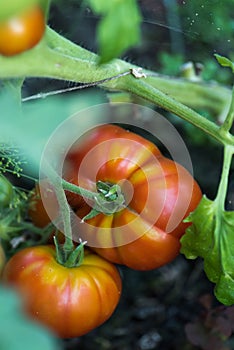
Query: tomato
[[70, 301], [21, 32], [36, 209], [2, 258], [159, 194], [6, 192]]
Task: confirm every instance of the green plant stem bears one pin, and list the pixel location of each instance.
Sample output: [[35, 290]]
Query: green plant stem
[[156, 96], [57, 57], [78, 190], [197, 95], [63, 206], [223, 184]]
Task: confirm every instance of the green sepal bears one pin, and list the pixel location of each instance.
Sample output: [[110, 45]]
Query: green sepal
[[211, 237], [60, 255], [76, 257], [93, 212], [69, 258]]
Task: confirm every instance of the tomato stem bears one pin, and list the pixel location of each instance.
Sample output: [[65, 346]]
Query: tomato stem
[[223, 185], [80, 65], [228, 122], [224, 130], [161, 99], [59, 58], [78, 190], [63, 205]]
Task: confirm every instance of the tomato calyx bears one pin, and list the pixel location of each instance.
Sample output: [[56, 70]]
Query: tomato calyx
[[71, 257], [109, 200]]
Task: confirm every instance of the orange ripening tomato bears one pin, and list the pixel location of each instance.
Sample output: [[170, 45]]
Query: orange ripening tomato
[[69, 301], [159, 194], [22, 31]]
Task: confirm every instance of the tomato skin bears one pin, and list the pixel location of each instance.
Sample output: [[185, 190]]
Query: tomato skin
[[111, 154], [145, 252], [22, 32], [70, 301]]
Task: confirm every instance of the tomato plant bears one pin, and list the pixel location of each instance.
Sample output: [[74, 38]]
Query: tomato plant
[[71, 301], [22, 31], [141, 208], [158, 187]]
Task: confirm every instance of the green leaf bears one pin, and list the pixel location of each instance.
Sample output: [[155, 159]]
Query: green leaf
[[211, 237], [119, 28], [225, 62], [17, 332]]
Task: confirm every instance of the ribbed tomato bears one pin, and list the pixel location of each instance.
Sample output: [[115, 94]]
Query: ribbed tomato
[[159, 194], [70, 301]]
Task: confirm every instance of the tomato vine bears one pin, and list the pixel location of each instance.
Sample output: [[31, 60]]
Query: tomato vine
[[209, 227]]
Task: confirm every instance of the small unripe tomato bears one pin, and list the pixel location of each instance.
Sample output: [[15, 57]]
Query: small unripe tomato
[[22, 31], [6, 192]]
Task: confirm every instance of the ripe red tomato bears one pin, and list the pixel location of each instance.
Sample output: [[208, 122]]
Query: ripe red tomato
[[158, 192], [70, 301], [21, 32]]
